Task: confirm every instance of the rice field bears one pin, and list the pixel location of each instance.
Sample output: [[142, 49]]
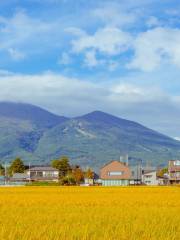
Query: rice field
[[125, 213]]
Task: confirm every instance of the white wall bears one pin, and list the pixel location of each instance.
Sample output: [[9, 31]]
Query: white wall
[[150, 178]]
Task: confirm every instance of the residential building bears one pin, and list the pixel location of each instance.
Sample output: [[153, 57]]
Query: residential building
[[115, 173], [44, 173], [174, 171], [150, 177]]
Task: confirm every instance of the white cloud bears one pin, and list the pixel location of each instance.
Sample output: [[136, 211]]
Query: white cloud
[[153, 22], [130, 93], [21, 34], [110, 41], [177, 138], [112, 65], [113, 15], [75, 31], [64, 59], [91, 60], [19, 28], [16, 54], [156, 47], [150, 49]]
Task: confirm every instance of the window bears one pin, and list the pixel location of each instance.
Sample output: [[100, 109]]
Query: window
[[36, 174], [49, 174], [148, 176], [39, 174], [177, 163], [115, 173]]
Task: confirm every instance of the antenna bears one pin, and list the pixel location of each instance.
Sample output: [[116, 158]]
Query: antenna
[[127, 159]]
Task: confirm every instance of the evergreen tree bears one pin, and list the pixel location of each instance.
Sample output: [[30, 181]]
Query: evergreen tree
[[2, 170], [62, 165], [17, 166]]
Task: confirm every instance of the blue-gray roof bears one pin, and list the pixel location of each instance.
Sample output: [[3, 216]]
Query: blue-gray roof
[[45, 168]]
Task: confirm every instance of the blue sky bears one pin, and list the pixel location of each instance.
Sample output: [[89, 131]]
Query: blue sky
[[75, 56]]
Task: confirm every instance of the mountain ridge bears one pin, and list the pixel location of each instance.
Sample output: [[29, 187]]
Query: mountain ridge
[[30, 112], [90, 140]]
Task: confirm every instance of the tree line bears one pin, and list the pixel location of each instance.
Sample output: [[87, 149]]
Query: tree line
[[67, 174]]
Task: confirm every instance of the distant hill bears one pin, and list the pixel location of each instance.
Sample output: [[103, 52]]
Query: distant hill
[[90, 140]]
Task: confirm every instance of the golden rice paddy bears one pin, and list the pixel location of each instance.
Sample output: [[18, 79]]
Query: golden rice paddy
[[58, 213]]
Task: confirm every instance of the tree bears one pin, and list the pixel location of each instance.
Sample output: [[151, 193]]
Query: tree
[[68, 180], [89, 173], [17, 166], [2, 170], [78, 174], [162, 171], [62, 165]]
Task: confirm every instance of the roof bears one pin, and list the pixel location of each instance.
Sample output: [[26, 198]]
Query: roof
[[148, 171], [112, 162], [120, 171], [19, 175], [43, 168]]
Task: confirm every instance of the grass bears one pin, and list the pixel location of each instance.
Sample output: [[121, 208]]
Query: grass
[[119, 213], [43, 184]]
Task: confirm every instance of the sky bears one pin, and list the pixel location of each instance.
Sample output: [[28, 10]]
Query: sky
[[72, 57]]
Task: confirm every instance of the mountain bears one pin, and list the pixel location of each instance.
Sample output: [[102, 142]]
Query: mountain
[[31, 113], [90, 140], [21, 127], [97, 137]]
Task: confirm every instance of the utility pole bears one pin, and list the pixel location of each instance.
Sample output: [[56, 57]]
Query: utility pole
[[141, 169], [169, 172], [137, 165], [5, 182], [29, 172]]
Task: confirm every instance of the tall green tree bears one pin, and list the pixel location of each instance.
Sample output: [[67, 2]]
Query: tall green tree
[[62, 165], [68, 180], [17, 166]]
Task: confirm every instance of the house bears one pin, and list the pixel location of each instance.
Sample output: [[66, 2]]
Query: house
[[149, 177], [44, 173], [174, 171], [115, 173]]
